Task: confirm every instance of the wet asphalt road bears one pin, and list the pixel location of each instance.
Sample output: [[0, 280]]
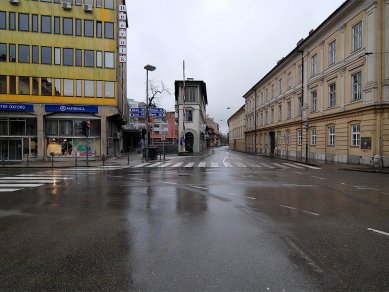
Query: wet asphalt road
[[244, 223]]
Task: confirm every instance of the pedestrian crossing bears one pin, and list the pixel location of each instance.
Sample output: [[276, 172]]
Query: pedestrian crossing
[[225, 164]]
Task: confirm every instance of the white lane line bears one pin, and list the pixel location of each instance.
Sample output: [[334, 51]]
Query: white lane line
[[142, 164], [197, 187], [43, 175], [20, 185], [251, 198], [371, 189], [190, 164], [41, 181], [177, 164], [378, 231], [227, 164], [266, 165], [314, 214], [8, 190], [293, 208], [202, 164], [318, 177], [288, 207], [298, 172], [154, 164], [308, 166], [293, 165], [169, 183], [240, 164], [214, 164], [296, 185], [134, 178], [25, 178]]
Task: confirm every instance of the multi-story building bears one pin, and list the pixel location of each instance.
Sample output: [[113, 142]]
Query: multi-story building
[[328, 99], [62, 63], [191, 112], [236, 130], [212, 130], [164, 129]]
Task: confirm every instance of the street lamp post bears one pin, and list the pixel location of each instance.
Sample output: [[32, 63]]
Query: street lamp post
[[147, 68]]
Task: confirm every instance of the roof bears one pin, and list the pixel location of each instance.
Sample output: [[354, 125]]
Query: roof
[[203, 87]]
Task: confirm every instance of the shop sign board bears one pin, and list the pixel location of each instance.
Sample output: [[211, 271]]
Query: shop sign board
[[16, 107], [72, 108]]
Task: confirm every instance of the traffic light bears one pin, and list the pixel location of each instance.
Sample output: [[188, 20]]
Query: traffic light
[[85, 128]]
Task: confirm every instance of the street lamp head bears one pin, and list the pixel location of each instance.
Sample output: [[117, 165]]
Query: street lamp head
[[149, 67]]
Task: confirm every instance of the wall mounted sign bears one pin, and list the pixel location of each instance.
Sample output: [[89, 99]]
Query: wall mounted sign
[[16, 107], [72, 108]]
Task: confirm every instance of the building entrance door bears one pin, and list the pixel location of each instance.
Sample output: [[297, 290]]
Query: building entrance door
[[189, 141], [272, 143], [11, 149]]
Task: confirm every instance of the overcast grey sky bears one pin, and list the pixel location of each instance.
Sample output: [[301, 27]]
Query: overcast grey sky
[[229, 44]]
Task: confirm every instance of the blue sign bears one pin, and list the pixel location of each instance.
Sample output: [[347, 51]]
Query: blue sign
[[156, 110], [137, 109], [16, 107], [72, 108], [156, 114], [137, 115]]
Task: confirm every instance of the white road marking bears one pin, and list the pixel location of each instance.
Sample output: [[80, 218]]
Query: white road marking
[[292, 165], [288, 207], [190, 164], [227, 164], [134, 178], [165, 164], [296, 185], [214, 164], [372, 189], [240, 164], [293, 208], [197, 187], [154, 164], [177, 164], [298, 172], [170, 183], [142, 164], [267, 165], [251, 198], [252, 165], [20, 185], [48, 181], [8, 190], [308, 166], [318, 177], [378, 231], [280, 165], [202, 164], [315, 214]]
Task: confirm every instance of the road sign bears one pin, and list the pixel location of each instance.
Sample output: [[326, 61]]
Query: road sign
[[156, 114], [137, 109], [156, 110], [137, 115]]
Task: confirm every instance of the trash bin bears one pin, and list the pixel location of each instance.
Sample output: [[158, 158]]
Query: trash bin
[[153, 153]]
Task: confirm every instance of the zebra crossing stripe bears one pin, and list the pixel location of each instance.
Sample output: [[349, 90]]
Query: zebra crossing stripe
[[177, 164], [279, 165], [190, 164], [308, 166], [227, 164], [266, 165], [252, 165], [202, 164], [214, 164], [154, 164], [165, 164], [240, 164], [142, 164], [20, 185], [292, 165], [8, 190]]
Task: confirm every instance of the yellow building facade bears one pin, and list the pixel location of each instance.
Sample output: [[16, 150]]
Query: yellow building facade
[[60, 66], [236, 130], [328, 99]]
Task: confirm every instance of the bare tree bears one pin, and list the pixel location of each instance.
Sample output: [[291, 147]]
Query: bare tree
[[158, 91]]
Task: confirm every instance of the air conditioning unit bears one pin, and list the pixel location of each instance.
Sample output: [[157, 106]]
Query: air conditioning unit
[[87, 7], [67, 5], [14, 1]]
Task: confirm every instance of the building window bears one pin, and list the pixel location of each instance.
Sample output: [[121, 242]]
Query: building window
[[99, 59], [313, 136], [357, 36], [356, 81], [272, 115], [78, 2], [89, 58], [89, 88], [24, 85], [23, 22], [35, 85], [3, 52], [332, 95], [98, 3], [314, 100], [299, 137], [24, 54], [12, 53], [300, 72], [288, 137], [99, 29], [12, 21], [300, 103], [57, 25], [108, 30], [331, 136], [57, 56], [289, 80], [188, 116], [78, 57], [78, 27], [3, 84], [68, 57], [68, 87], [79, 87], [280, 86], [190, 93], [35, 54], [109, 89], [57, 87], [108, 4], [88, 28], [46, 55], [12, 84], [67, 26], [314, 64], [45, 24], [355, 135], [3, 20], [34, 23], [332, 53], [108, 59], [289, 109], [99, 88], [272, 91], [46, 86], [279, 112]]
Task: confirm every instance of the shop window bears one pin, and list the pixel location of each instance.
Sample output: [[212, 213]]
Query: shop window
[[3, 52], [45, 23], [34, 22], [35, 86], [3, 84], [46, 55], [23, 22], [12, 84], [89, 58], [65, 128], [46, 86], [31, 127], [17, 127], [68, 87], [57, 87], [24, 54], [109, 90], [51, 127], [89, 88], [24, 85], [108, 30], [4, 127]]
